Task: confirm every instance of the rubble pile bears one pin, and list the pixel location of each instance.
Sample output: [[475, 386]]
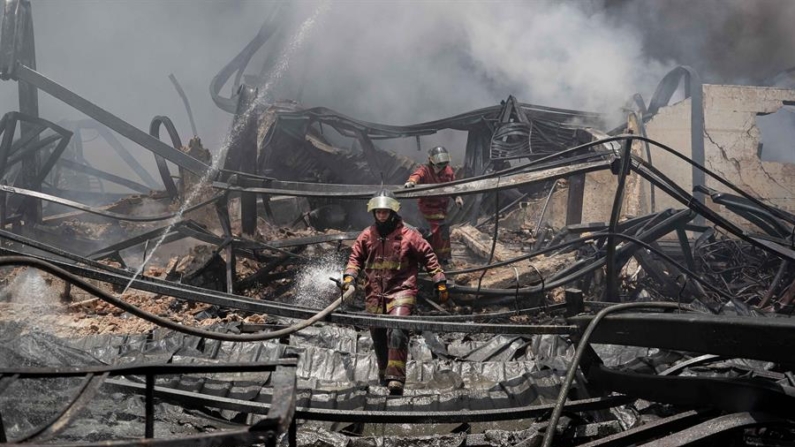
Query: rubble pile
[[599, 295]]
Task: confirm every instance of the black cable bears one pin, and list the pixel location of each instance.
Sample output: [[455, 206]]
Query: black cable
[[164, 322], [594, 266], [564, 388]]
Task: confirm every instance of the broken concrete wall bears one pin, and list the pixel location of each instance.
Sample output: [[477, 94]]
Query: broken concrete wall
[[731, 143], [600, 190]]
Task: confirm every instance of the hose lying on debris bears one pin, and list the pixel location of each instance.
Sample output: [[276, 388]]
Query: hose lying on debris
[[101, 294], [575, 362]]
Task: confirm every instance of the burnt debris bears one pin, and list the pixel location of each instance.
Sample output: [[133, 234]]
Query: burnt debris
[[599, 296]]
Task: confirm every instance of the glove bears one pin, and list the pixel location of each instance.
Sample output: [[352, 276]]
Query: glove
[[442, 295], [347, 284], [459, 201], [409, 184]]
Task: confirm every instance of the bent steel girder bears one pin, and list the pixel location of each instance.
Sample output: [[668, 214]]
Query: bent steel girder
[[546, 162], [197, 294], [512, 135], [279, 417], [242, 152], [185, 101], [650, 173], [29, 147], [300, 189], [651, 430], [60, 422], [238, 64], [467, 121], [165, 174], [707, 431], [748, 210], [730, 395], [116, 145], [381, 417], [736, 337], [99, 211], [23, 73], [86, 169]]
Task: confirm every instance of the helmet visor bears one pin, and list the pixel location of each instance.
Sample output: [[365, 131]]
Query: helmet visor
[[383, 203], [440, 159]]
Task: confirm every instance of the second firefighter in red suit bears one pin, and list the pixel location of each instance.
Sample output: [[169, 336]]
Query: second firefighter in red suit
[[434, 209], [390, 254]]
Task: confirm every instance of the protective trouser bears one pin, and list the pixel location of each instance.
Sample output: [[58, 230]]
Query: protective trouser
[[391, 346], [440, 239]]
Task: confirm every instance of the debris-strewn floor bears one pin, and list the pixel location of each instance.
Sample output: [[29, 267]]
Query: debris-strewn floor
[[598, 296]]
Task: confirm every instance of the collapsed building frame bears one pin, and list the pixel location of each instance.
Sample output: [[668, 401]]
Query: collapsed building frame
[[553, 148]]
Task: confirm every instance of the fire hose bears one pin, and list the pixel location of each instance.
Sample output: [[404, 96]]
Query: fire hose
[[105, 296]]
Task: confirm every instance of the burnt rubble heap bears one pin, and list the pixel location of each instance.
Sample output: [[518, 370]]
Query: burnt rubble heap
[[614, 287]]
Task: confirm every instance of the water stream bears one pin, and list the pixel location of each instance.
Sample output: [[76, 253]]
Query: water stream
[[263, 97]]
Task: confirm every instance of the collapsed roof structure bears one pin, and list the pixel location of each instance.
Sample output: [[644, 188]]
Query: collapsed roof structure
[[617, 286]]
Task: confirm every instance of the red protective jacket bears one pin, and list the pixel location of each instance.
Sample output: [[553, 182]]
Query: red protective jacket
[[433, 208], [392, 263]]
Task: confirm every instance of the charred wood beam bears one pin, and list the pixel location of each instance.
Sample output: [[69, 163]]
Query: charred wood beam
[[278, 419], [575, 198], [261, 276], [737, 337]]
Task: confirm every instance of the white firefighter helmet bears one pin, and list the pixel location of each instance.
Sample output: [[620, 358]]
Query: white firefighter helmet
[[439, 156], [383, 200]]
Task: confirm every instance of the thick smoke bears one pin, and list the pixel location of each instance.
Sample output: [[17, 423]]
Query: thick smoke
[[398, 62], [726, 41]]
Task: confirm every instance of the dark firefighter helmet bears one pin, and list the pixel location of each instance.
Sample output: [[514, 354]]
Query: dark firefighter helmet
[[383, 200], [439, 156]]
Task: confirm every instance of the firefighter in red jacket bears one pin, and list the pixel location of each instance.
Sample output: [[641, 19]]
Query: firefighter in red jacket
[[434, 209], [390, 254]]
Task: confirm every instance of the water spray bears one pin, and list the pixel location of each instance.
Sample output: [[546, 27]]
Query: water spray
[[212, 172]]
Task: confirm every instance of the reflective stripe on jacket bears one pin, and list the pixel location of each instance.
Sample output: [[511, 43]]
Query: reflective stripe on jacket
[[392, 263], [433, 206]]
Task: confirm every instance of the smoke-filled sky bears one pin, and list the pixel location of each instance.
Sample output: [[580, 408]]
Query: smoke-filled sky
[[398, 62]]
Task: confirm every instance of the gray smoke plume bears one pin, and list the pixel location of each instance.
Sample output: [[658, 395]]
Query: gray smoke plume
[[399, 62], [726, 41]]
